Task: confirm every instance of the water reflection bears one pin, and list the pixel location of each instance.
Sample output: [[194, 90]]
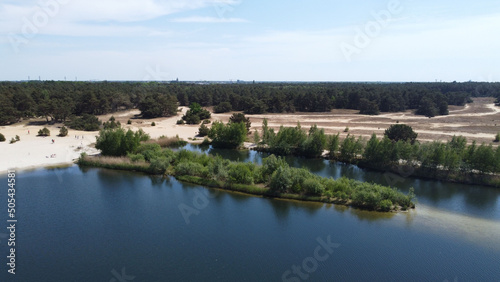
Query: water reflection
[[454, 197]]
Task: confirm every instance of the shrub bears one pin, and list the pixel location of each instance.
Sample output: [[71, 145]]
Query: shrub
[[2, 138], [180, 122], [281, 180], [129, 122], [346, 129], [111, 123], [159, 165], [240, 173], [403, 132], [63, 131], [229, 136], [12, 141], [497, 138], [207, 121], [385, 205], [196, 114], [85, 122], [117, 142], [203, 130], [18, 138], [190, 168], [313, 187], [239, 117], [153, 124], [136, 158], [44, 132]]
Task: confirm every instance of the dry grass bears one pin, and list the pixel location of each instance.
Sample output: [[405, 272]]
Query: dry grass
[[166, 141]]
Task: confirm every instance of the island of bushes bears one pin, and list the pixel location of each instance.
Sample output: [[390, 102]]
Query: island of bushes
[[274, 178]]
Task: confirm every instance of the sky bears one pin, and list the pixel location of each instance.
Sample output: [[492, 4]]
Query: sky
[[223, 40]]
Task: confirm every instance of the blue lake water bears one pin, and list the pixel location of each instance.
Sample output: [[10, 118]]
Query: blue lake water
[[101, 225]]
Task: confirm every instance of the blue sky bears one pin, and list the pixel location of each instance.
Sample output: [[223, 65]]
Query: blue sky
[[315, 40]]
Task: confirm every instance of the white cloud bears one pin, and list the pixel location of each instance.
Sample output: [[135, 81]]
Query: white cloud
[[208, 20], [102, 17]]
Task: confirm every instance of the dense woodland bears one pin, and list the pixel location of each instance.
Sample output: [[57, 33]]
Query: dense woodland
[[63, 101]]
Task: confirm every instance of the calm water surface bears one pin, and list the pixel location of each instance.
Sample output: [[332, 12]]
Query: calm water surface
[[102, 225]]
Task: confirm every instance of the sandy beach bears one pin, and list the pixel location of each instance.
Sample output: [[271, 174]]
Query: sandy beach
[[478, 121], [33, 151]]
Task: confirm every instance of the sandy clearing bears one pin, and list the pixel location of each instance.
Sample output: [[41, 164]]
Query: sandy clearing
[[32, 151]]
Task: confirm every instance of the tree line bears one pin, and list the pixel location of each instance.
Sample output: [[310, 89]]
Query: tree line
[[399, 148], [59, 101]]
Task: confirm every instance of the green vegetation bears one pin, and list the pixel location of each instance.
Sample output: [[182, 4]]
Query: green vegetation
[[129, 122], [230, 136], [63, 132], [2, 137], [295, 141], [367, 107], [223, 107], [117, 142], [18, 138], [196, 114], [86, 122], [153, 124], [44, 132], [403, 132], [203, 130], [57, 100], [451, 161], [111, 123], [497, 138], [239, 117], [155, 105], [275, 178]]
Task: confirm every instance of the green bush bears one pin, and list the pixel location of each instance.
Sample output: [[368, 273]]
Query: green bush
[[497, 138], [229, 136], [111, 123], [153, 124], [190, 168], [12, 141], [136, 158], [313, 187], [44, 132], [240, 173], [402, 132], [203, 130], [159, 165], [385, 205], [117, 142], [2, 137], [18, 138], [281, 180], [63, 131], [85, 122], [129, 122], [180, 122], [196, 114]]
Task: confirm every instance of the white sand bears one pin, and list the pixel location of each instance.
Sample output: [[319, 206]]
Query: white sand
[[33, 152]]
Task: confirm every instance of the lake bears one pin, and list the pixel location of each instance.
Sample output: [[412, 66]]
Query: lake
[[101, 225]]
